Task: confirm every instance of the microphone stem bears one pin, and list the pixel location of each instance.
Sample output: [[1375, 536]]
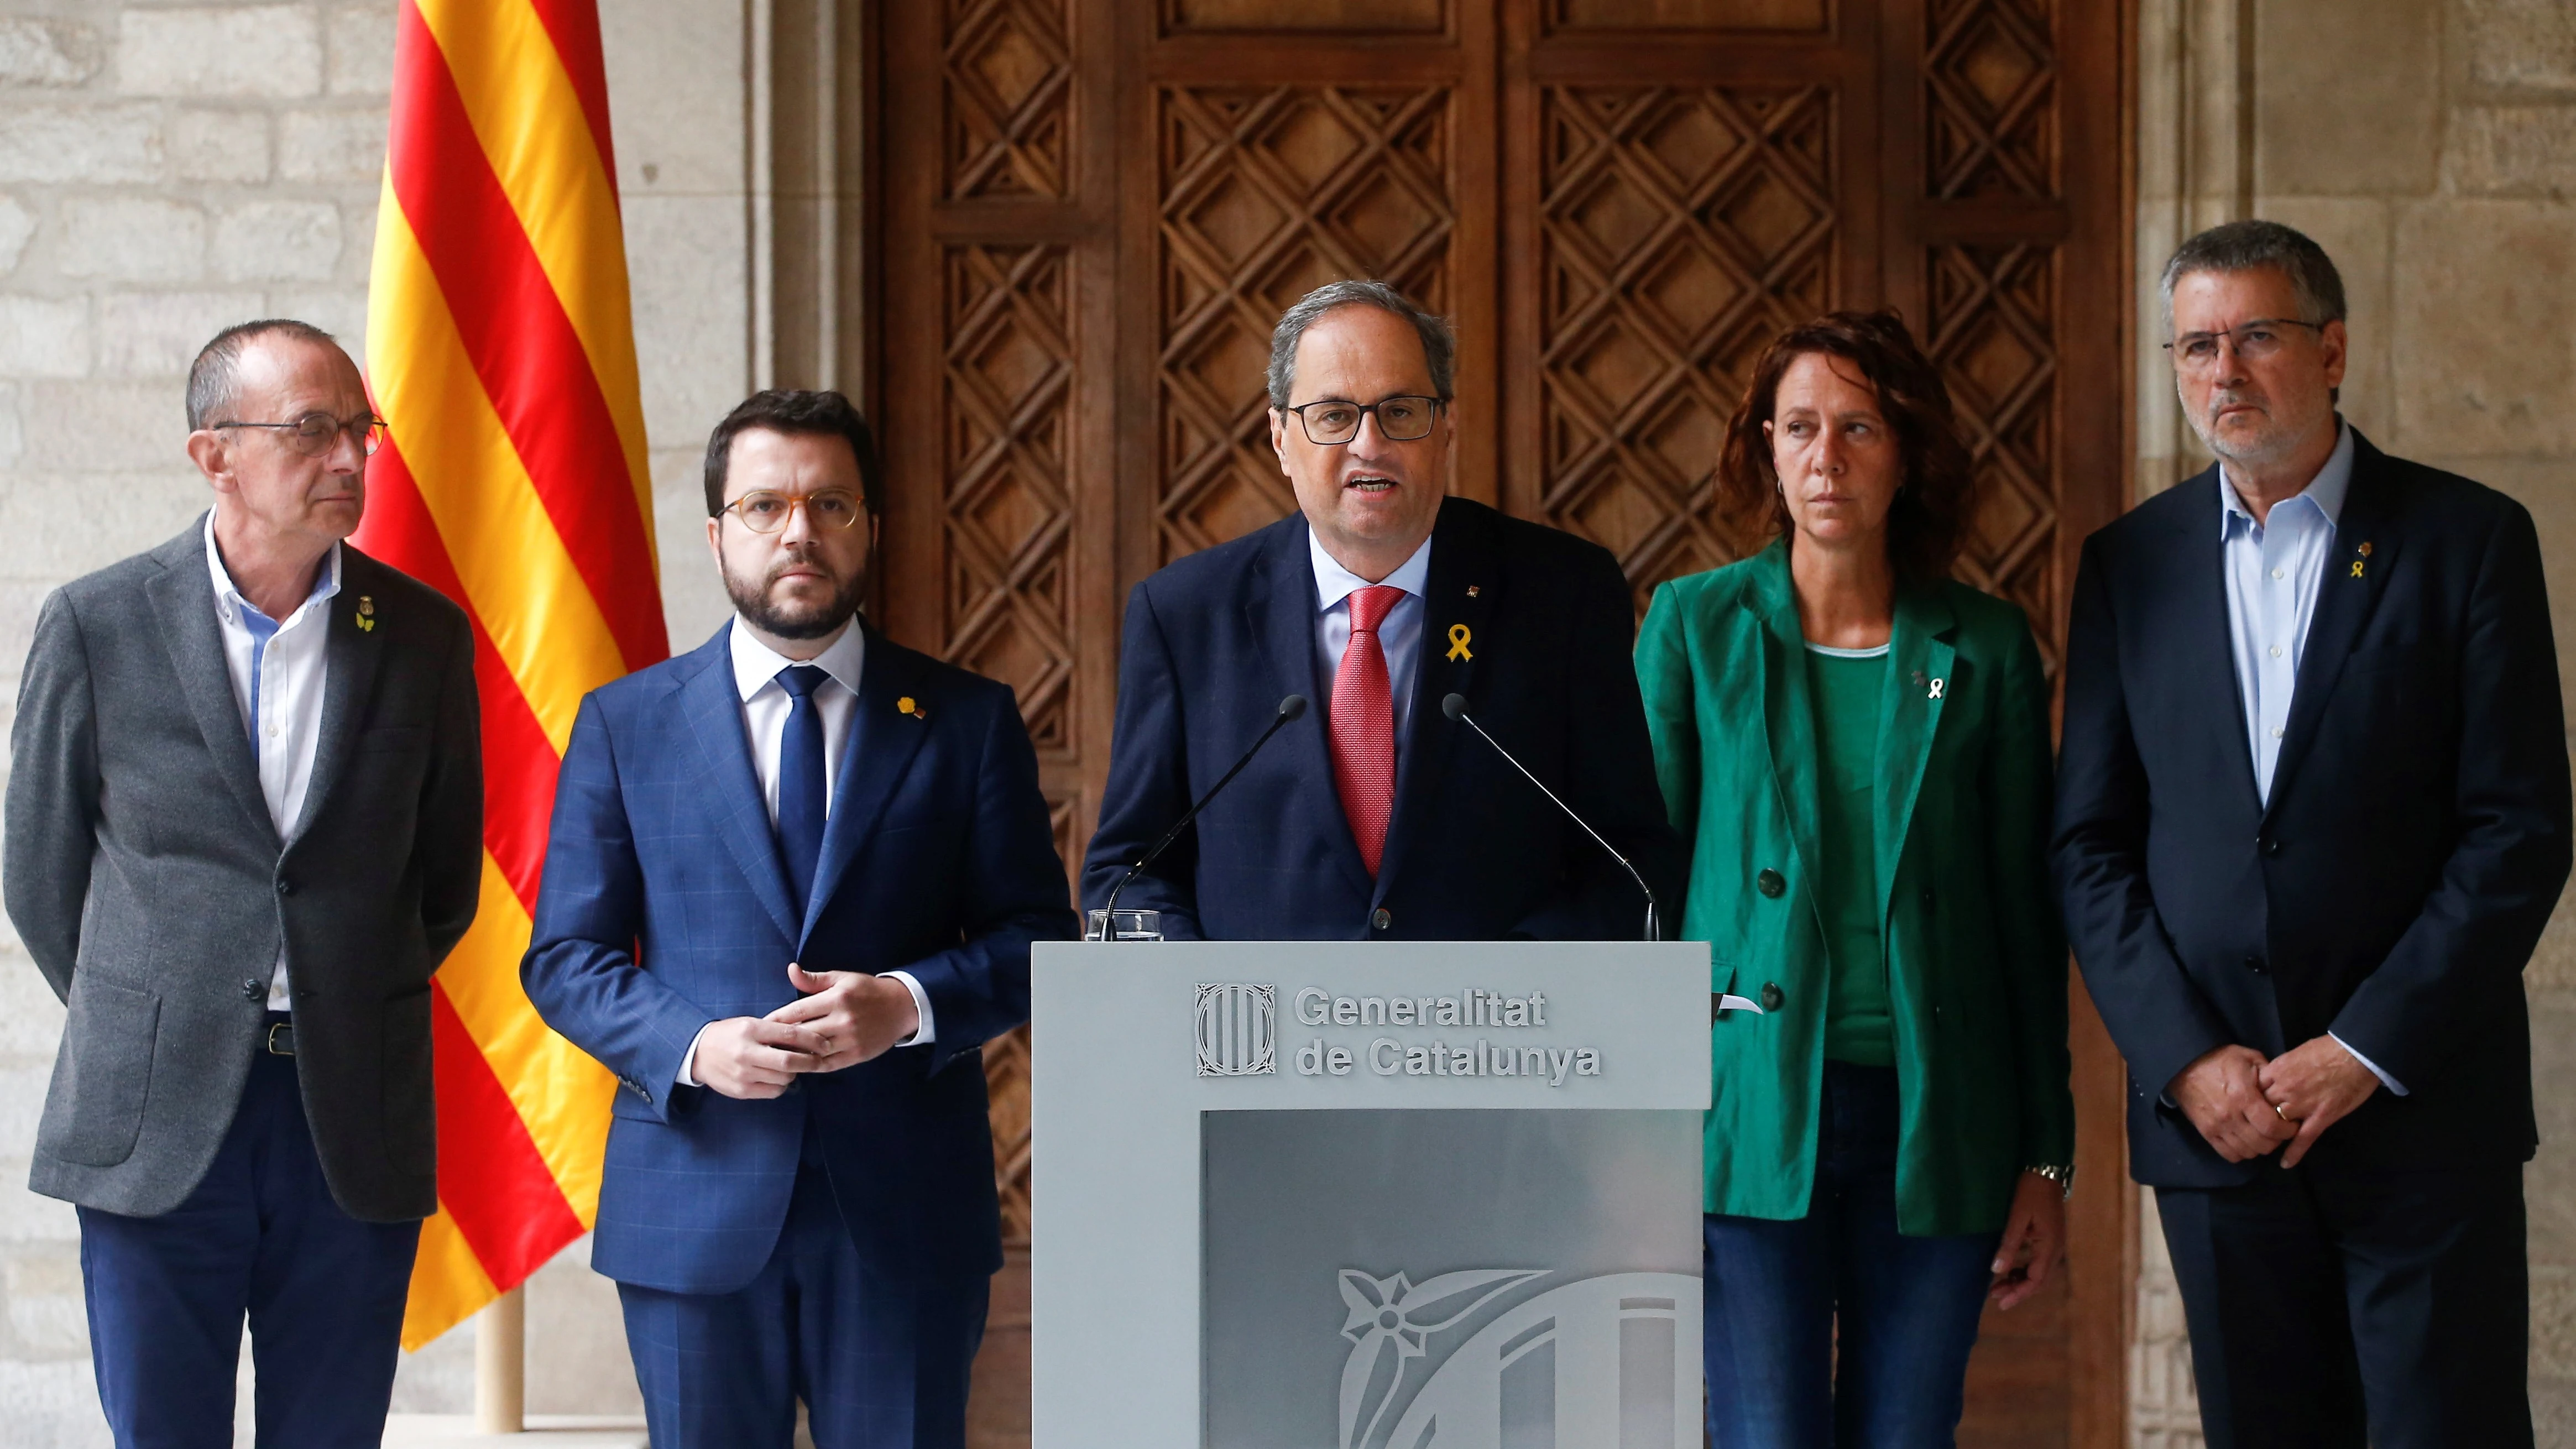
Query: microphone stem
[[1109, 908], [1653, 928]]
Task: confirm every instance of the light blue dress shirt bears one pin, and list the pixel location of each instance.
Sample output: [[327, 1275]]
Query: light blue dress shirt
[[2274, 571], [1399, 634]]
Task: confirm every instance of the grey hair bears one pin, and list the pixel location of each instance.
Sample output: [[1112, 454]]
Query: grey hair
[[1439, 342], [214, 380], [2243, 246]]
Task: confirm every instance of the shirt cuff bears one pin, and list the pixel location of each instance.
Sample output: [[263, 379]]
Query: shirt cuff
[[2385, 1080], [929, 1031], [689, 1059]]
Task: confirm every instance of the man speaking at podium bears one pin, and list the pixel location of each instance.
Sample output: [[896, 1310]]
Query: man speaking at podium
[[1379, 816]]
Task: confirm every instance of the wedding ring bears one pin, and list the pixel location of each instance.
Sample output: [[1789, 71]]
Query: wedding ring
[[2277, 1112]]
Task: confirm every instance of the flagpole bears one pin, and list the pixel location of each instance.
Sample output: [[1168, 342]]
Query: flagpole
[[501, 1364]]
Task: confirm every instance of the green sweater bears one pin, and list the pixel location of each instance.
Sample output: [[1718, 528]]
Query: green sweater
[[1847, 689], [1976, 972]]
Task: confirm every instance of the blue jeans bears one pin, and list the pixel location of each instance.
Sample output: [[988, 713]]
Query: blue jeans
[[1907, 1307]]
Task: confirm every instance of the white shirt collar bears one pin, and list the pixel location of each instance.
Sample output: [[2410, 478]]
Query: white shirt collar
[[755, 664], [1334, 583], [2325, 492], [228, 598]]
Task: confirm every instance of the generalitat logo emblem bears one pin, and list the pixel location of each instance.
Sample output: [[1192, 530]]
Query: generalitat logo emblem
[[1238, 1030]]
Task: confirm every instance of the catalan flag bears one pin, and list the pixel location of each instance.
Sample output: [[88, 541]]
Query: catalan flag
[[500, 348]]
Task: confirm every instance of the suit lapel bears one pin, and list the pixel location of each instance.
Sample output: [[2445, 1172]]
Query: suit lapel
[[1454, 635], [2345, 597], [883, 740], [1279, 611], [714, 710], [2199, 634], [183, 596], [1919, 662], [348, 681], [1788, 715]]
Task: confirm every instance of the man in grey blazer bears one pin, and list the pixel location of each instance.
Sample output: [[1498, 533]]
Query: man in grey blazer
[[243, 827]]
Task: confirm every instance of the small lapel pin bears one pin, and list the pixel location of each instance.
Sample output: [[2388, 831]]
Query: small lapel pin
[[1936, 689], [1458, 637], [1918, 678], [366, 614], [2364, 550], [909, 705], [1471, 591], [2356, 568]]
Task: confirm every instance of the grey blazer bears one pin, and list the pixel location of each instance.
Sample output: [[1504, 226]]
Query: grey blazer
[[144, 874]]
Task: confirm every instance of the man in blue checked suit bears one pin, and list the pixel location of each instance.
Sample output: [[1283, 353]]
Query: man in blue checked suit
[[792, 884]]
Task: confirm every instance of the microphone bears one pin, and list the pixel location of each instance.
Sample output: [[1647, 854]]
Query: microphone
[[1293, 707], [1455, 706]]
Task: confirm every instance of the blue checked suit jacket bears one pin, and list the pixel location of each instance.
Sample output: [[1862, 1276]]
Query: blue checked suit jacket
[[665, 906]]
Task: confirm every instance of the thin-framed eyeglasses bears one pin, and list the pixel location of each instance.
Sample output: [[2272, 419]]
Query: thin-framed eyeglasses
[[313, 434], [2253, 341], [1331, 422], [831, 511]]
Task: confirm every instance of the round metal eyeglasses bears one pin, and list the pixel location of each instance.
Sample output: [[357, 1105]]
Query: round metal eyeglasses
[[829, 511], [314, 433], [1332, 422]]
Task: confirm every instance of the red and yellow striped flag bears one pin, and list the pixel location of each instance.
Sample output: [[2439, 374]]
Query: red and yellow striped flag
[[500, 348]]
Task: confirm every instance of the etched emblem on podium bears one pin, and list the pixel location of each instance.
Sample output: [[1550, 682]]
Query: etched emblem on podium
[[1238, 1030], [1593, 1361]]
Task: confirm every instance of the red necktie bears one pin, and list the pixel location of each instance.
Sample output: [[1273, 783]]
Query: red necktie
[[1364, 725]]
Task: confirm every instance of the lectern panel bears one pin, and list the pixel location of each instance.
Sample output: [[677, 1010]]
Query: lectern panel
[[1368, 1195], [1513, 1277]]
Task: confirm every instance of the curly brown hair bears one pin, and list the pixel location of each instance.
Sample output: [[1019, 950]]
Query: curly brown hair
[[1937, 493]]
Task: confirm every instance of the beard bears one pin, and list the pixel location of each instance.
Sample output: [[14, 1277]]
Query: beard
[[794, 620]]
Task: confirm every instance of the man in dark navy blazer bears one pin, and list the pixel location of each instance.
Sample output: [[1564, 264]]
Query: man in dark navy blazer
[[791, 889], [2312, 816], [1375, 816]]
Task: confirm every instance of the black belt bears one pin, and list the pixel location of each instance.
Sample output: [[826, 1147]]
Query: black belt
[[279, 1039]]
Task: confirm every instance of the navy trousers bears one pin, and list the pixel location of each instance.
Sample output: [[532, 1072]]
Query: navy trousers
[[260, 1237], [2332, 1307], [878, 1364], [1907, 1307]]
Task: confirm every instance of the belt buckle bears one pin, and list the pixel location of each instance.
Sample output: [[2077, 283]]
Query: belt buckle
[[276, 1029]]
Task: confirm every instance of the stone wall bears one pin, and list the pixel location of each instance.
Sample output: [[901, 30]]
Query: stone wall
[[2430, 145], [164, 171]]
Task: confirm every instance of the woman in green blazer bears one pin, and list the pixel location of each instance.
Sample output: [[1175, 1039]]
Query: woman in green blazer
[[1856, 749]]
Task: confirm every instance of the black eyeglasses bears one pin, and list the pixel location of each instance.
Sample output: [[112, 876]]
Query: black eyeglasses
[[1400, 419], [2253, 341], [315, 432]]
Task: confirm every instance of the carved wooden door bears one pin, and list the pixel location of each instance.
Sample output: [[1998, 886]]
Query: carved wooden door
[[1092, 212]]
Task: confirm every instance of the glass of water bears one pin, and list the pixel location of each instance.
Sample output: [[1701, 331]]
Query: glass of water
[[1130, 926]]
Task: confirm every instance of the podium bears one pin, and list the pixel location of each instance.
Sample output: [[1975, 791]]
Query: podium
[[1420, 1196]]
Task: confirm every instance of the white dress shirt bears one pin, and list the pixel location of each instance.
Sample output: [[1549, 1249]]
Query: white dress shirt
[[765, 706], [1399, 634], [2274, 570], [277, 670]]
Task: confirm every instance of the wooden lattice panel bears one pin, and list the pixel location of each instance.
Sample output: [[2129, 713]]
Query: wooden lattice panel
[[1687, 17], [1009, 83], [1266, 193], [1992, 331], [1007, 498], [1680, 230], [1990, 99]]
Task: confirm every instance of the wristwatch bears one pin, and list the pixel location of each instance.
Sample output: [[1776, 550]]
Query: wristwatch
[[2063, 1174]]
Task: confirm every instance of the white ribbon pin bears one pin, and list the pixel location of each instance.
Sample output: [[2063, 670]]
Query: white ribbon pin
[[1936, 689]]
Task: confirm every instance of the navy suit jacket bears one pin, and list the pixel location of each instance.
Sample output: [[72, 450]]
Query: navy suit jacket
[[1473, 852], [2415, 841], [937, 859]]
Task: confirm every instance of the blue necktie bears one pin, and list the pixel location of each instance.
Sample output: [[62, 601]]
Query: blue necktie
[[800, 778]]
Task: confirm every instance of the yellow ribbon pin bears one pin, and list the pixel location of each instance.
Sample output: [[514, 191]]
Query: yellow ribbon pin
[[2356, 568], [1458, 637], [366, 614]]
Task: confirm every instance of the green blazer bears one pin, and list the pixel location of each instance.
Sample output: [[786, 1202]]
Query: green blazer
[[1976, 964]]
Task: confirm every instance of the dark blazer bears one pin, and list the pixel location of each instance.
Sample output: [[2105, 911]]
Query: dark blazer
[[2415, 842], [1472, 852], [937, 859], [152, 889]]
